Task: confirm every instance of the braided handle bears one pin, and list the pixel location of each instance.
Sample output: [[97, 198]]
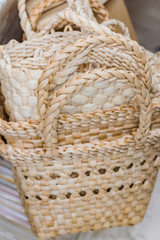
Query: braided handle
[[100, 10], [79, 52], [28, 24], [86, 79], [115, 22], [65, 63], [80, 21], [41, 7], [25, 23], [81, 7]]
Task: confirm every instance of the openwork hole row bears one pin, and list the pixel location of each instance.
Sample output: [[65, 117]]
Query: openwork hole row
[[83, 193]]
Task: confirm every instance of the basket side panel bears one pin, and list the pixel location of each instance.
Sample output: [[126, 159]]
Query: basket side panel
[[86, 191]]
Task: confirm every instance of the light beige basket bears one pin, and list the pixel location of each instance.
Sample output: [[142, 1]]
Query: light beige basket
[[21, 65], [90, 161]]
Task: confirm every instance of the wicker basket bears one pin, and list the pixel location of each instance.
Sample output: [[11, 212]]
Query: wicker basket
[[90, 161]]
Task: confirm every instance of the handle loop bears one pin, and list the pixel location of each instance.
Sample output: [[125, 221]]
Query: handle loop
[[65, 63], [28, 24], [48, 110], [115, 22], [86, 79], [87, 23]]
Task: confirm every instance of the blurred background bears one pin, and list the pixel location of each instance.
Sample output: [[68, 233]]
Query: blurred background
[[145, 16]]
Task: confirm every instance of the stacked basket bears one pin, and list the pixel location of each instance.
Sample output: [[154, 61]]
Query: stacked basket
[[83, 131]]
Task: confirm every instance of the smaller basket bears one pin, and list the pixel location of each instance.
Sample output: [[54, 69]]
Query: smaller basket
[[21, 65]]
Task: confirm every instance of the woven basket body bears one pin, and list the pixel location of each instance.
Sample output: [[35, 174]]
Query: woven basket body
[[87, 158], [93, 190]]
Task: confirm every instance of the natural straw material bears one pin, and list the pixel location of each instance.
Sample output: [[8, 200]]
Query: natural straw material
[[89, 161]]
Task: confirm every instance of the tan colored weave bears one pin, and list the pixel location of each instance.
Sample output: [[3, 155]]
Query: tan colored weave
[[87, 158]]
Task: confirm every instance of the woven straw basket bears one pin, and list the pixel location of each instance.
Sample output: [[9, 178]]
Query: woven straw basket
[[87, 158]]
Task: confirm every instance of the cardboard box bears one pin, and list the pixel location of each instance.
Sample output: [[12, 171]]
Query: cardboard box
[[117, 9]]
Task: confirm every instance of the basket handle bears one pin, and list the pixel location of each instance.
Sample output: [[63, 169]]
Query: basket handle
[[87, 23], [25, 23], [60, 68], [28, 24], [39, 8], [86, 79], [82, 7]]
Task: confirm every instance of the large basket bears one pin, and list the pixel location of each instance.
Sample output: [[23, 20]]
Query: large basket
[[90, 161]]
